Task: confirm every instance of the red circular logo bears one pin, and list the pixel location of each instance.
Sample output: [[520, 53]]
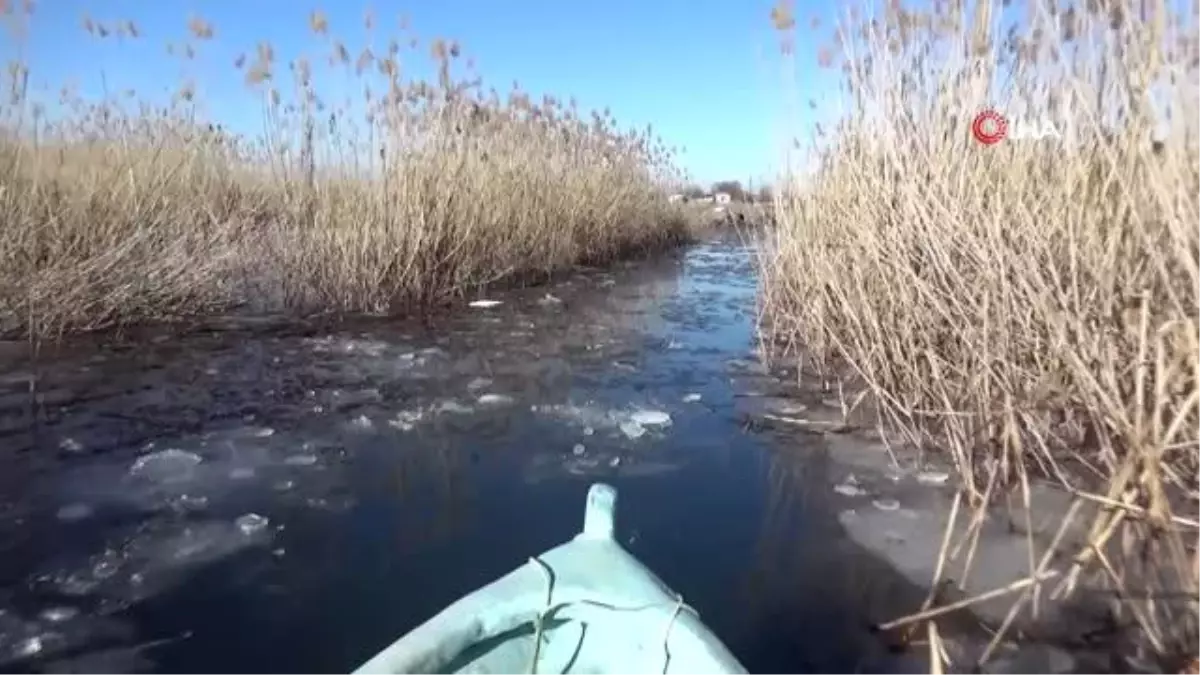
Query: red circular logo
[[989, 127]]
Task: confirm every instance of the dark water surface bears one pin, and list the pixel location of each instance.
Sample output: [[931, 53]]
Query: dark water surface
[[302, 498]]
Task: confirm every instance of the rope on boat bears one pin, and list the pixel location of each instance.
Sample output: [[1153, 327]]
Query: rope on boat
[[666, 645], [539, 620], [541, 615]]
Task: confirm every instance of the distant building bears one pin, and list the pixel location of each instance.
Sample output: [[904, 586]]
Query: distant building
[[675, 198], [722, 198]]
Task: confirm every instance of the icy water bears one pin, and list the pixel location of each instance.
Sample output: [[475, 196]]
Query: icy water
[[276, 499]]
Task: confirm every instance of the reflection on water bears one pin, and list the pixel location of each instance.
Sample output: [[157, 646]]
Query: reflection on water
[[286, 498]]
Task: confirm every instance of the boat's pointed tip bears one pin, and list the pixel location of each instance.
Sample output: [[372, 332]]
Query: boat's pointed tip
[[602, 488], [599, 516]]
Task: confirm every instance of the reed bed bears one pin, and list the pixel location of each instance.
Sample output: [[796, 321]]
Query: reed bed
[[1028, 308], [407, 195]]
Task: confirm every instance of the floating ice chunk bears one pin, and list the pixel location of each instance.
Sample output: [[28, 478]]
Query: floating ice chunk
[[632, 430], [251, 523], [886, 504], [495, 399], [849, 490], [330, 344], [549, 300], [242, 473], [76, 583], [614, 462], [650, 418], [107, 564], [478, 383], [263, 432], [336, 504], [588, 431], [578, 450], [157, 557], [70, 445], [783, 406], [29, 647], [405, 420], [302, 459], [933, 477], [166, 466], [849, 487], [58, 614], [691, 398], [190, 502], [484, 304], [452, 406], [583, 465], [362, 422], [73, 512]]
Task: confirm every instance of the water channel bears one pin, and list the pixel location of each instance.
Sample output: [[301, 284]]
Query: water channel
[[283, 497]]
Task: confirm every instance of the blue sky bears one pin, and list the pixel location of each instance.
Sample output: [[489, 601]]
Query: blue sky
[[707, 74]]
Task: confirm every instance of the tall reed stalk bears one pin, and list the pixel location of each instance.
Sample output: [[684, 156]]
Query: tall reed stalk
[[1027, 308]]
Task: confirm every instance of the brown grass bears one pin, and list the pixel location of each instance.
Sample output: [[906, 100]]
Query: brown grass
[[1028, 308], [118, 210]]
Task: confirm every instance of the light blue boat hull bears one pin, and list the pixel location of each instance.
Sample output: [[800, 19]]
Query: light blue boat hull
[[592, 606]]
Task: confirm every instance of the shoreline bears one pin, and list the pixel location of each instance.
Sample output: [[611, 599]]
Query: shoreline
[[244, 314], [896, 502]]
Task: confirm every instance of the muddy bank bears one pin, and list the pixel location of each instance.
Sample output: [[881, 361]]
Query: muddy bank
[[896, 502]]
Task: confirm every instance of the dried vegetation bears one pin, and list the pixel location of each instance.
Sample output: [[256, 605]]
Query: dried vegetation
[[404, 195], [1029, 308]]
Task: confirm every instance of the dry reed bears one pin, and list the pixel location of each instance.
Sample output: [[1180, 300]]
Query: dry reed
[[1028, 308], [406, 196]]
